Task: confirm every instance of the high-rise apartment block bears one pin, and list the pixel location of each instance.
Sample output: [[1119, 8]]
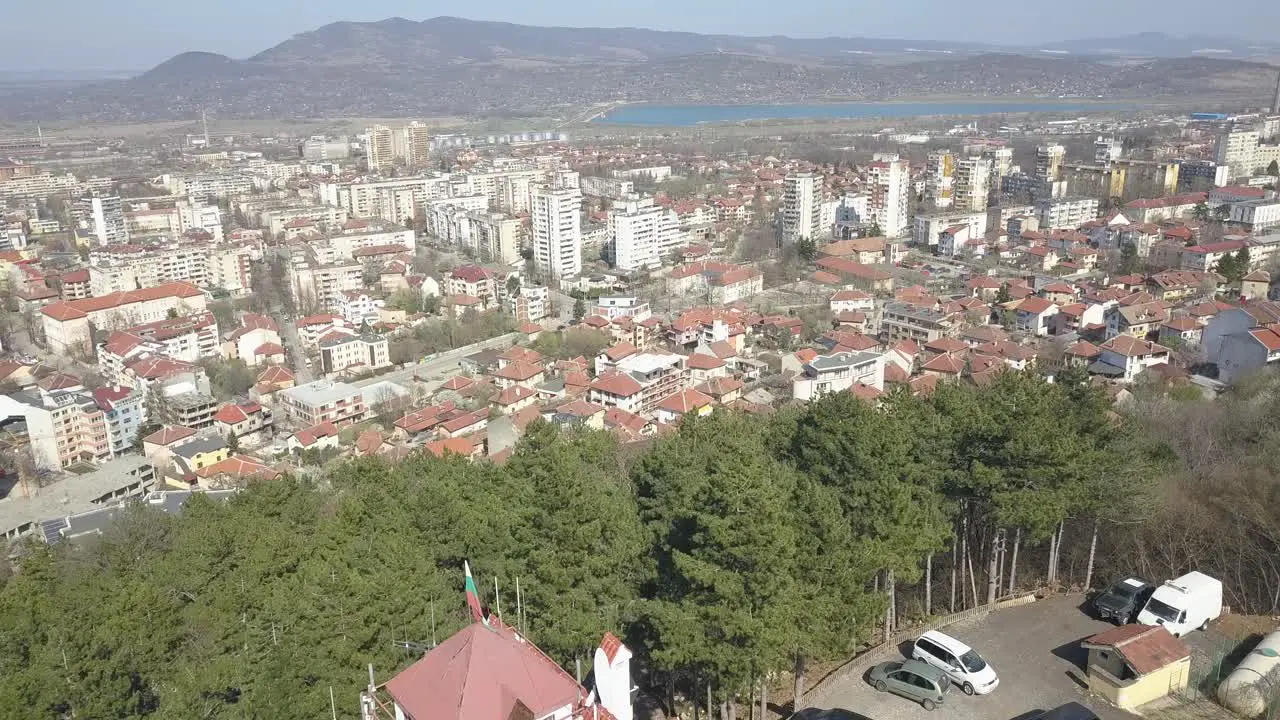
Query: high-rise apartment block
[[1237, 149], [416, 144], [642, 235], [1107, 150], [973, 183], [557, 232], [940, 177], [801, 212], [103, 217], [380, 147], [890, 179], [1049, 159]]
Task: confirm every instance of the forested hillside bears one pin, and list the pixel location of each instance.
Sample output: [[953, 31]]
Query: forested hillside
[[736, 548]]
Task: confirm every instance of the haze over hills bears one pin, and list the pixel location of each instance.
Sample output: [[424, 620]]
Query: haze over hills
[[450, 65]]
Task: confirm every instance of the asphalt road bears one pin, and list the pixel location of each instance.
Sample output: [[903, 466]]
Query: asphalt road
[[1035, 649], [440, 365]]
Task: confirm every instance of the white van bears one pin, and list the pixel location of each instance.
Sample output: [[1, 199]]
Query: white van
[[1184, 604], [957, 661]]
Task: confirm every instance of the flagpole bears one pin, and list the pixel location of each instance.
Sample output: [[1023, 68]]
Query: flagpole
[[519, 611], [497, 599]]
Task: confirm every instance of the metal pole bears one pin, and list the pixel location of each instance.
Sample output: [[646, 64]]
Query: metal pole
[[333, 708], [519, 607], [497, 599]]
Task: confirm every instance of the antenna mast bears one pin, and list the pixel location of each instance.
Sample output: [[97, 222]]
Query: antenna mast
[[204, 122]]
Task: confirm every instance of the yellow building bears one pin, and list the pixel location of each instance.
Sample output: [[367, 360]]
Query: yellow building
[[1133, 665], [197, 454]]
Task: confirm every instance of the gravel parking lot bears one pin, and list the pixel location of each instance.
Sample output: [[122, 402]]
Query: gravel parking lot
[[1034, 648]]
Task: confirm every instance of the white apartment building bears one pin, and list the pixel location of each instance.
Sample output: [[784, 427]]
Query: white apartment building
[[67, 324], [319, 286], [394, 200], [972, 183], [609, 188], [1066, 213], [494, 237], [557, 232], [643, 234], [379, 147], [319, 148], [1049, 159], [39, 186], [103, 217], [366, 352], [657, 173], [278, 219], [1257, 214], [890, 179], [231, 183], [929, 226], [1107, 150], [357, 308], [415, 144], [801, 213], [195, 215], [1236, 148]]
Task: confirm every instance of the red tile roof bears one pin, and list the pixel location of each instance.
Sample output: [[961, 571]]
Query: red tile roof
[[616, 383], [455, 446], [169, 435], [519, 371], [230, 414], [685, 401], [702, 361], [241, 467], [72, 309], [481, 673], [1145, 648]]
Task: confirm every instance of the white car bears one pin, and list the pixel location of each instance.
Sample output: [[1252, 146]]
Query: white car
[[957, 661]]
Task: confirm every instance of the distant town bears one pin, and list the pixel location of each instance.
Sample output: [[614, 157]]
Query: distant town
[[204, 311]]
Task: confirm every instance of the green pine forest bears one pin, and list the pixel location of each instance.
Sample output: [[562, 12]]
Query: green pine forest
[[737, 548]]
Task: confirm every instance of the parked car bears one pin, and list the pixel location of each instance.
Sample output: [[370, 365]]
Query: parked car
[[1122, 601], [912, 679], [957, 661], [1184, 604], [1070, 711]]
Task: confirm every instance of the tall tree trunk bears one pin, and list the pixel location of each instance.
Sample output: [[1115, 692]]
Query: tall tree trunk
[[1057, 550], [973, 582], [993, 569], [710, 705], [1053, 549], [1093, 548], [693, 700], [888, 610], [764, 698], [1013, 561], [928, 584], [733, 706], [1004, 550], [798, 691], [954, 559], [964, 552]]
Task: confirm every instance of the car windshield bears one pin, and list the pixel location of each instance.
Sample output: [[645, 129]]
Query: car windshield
[[973, 662], [1164, 611]]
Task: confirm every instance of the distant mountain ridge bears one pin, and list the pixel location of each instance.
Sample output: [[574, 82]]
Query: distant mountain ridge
[[449, 65]]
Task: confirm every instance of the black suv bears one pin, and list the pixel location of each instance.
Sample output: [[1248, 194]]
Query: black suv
[[1122, 601]]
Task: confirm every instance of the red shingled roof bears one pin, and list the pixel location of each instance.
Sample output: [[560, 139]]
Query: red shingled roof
[[482, 672], [1145, 648]]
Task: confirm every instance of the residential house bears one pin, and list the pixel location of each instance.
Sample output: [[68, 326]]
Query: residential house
[[241, 420], [321, 436], [1243, 353], [323, 401], [1034, 315], [1125, 357], [838, 372], [686, 403], [195, 454]]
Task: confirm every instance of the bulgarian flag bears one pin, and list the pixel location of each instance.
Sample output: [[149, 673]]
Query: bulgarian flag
[[473, 597]]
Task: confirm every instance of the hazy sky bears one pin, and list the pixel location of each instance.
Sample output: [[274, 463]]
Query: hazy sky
[[138, 34]]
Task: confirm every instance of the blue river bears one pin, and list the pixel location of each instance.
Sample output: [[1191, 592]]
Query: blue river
[[686, 115]]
